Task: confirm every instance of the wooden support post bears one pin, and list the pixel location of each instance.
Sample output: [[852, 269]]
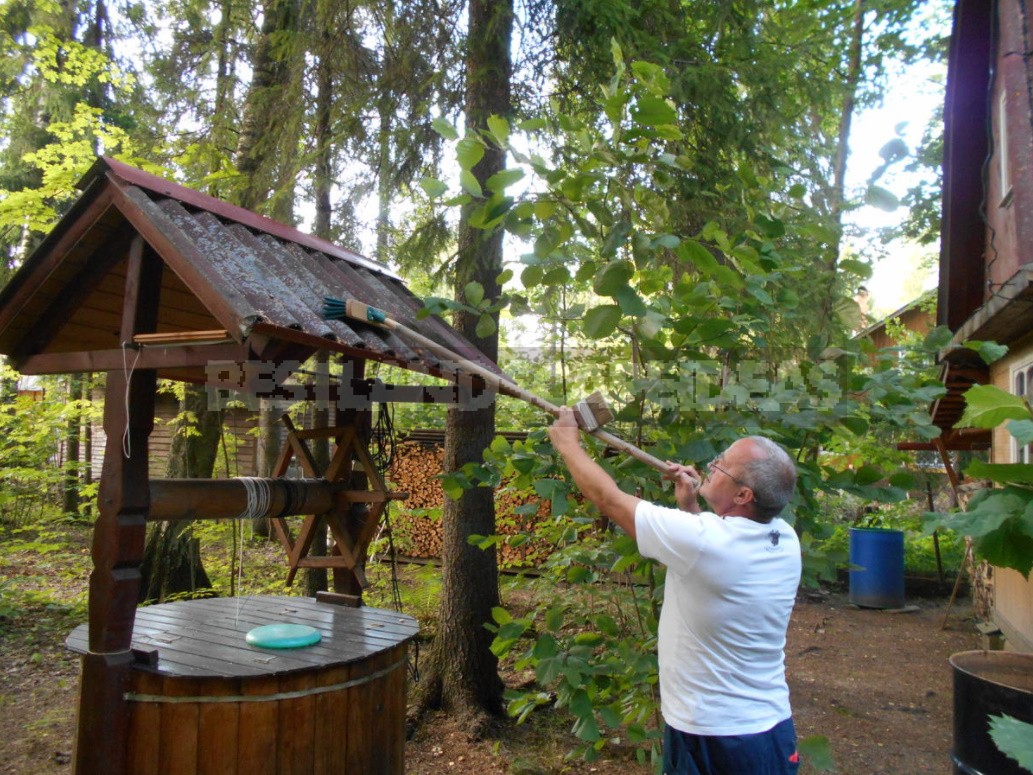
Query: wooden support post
[[118, 536], [348, 582]]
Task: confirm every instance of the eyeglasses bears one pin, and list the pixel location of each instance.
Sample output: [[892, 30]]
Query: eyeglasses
[[713, 466]]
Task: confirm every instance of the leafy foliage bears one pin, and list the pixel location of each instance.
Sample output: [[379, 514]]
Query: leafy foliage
[[32, 470], [1014, 738], [999, 519], [701, 336]]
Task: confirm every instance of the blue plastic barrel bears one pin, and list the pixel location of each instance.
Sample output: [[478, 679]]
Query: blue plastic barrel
[[877, 572]]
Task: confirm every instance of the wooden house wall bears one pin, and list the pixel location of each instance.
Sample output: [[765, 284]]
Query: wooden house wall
[[1009, 240], [1009, 246], [914, 319], [242, 445], [1013, 594]]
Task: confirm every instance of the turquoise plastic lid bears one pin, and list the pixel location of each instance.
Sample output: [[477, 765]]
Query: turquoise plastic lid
[[283, 636]]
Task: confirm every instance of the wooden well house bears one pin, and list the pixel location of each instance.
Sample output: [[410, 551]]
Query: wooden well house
[[145, 279]]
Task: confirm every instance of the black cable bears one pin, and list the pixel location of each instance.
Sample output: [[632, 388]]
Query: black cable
[[382, 439]]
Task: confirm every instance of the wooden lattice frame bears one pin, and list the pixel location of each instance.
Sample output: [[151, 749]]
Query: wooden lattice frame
[[351, 535]]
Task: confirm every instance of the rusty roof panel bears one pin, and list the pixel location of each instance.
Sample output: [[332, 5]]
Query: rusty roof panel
[[210, 237], [164, 188], [239, 267], [293, 291]]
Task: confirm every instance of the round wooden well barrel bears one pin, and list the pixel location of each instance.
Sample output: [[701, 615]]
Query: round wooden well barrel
[[207, 702]]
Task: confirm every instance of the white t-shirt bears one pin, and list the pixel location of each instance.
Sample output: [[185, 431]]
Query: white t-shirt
[[731, 585]]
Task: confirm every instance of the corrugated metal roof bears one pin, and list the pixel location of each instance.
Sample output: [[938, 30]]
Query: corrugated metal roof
[[245, 270]]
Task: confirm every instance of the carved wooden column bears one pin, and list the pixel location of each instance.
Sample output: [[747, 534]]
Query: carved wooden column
[[118, 537]]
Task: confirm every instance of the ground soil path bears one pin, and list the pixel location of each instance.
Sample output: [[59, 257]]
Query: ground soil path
[[876, 684]]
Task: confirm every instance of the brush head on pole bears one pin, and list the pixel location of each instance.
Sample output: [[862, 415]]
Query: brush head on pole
[[592, 413], [338, 309]]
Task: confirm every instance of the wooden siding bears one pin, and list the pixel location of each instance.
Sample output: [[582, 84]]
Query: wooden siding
[[242, 443], [915, 319], [1013, 609], [1013, 594]]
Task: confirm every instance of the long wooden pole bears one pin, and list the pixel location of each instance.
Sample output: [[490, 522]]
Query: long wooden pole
[[176, 499], [360, 311]]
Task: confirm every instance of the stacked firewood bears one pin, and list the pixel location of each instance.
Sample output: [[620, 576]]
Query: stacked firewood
[[416, 522]]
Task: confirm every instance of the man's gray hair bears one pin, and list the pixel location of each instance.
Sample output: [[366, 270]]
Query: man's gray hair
[[771, 476]]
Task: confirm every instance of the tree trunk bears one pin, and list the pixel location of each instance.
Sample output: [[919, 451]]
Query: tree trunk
[[268, 147], [463, 673], [172, 558], [855, 64], [73, 451], [87, 444]]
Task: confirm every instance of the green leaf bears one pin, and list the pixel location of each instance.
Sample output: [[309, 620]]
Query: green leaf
[[444, 128], [469, 183], [469, 151], [512, 630], [1002, 473], [1021, 431], [617, 54], [587, 729], [650, 324], [473, 293], [1007, 548], [531, 276], [988, 351], [759, 294], [938, 338], [554, 618], [653, 111], [1014, 738], [868, 474], [696, 254], [433, 187], [590, 639], [630, 302], [903, 479], [989, 510], [610, 717], [532, 124], [817, 752], [769, 226], [601, 321], [486, 326], [546, 647], [503, 178], [856, 425], [499, 129], [612, 277], [862, 269], [987, 406], [617, 237], [882, 198]]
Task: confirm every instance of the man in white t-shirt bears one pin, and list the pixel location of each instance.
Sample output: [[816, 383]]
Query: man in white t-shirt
[[732, 576]]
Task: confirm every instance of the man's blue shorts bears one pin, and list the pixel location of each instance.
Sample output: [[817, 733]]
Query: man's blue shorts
[[765, 753]]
